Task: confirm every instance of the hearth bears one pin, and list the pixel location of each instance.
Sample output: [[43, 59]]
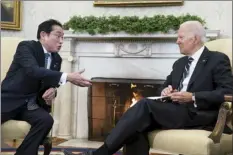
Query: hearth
[[109, 98]]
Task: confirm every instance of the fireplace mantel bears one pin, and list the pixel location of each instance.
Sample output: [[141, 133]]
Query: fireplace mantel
[[210, 34]]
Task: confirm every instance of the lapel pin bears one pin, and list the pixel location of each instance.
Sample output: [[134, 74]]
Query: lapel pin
[[204, 60]]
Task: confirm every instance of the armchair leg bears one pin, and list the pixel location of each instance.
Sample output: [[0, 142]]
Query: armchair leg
[[219, 127], [123, 150], [14, 142], [47, 145]]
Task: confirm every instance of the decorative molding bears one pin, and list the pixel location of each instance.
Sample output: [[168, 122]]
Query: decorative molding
[[210, 34], [133, 49], [69, 58], [67, 51]]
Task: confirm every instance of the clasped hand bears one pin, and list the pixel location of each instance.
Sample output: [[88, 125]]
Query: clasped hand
[[49, 95], [180, 97]]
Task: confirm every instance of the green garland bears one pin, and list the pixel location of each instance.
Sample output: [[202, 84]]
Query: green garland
[[129, 24]]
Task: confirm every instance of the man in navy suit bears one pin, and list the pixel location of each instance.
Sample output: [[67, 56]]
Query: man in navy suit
[[195, 88], [31, 81]]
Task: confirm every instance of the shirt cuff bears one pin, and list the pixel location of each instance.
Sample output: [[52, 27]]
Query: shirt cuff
[[63, 79], [193, 98]]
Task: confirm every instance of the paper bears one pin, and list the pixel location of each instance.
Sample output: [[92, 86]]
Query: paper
[[156, 97]]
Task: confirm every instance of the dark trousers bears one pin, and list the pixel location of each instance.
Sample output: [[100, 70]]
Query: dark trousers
[[147, 115], [138, 144], [41, 123]]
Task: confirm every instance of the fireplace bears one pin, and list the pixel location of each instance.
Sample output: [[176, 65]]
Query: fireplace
[[147, 56], [109, 98]]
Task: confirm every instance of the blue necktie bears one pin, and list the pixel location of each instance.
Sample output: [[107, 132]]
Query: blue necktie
[[185, 73], [47, 56]]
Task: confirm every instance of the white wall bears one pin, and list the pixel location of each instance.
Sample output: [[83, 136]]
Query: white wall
[[218, 14]]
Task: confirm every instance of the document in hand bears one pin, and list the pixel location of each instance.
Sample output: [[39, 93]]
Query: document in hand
[[157, 97]]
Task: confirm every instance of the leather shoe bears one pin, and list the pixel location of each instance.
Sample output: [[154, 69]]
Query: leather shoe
[[47, 143], [69, 153]]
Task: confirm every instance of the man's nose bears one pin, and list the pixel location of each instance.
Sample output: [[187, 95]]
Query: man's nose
[[61, 40]]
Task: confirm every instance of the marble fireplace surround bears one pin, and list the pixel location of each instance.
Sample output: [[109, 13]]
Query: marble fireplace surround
[[109, 56]]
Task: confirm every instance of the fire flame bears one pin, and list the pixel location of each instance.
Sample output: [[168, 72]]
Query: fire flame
[[133, 85], [136, 96]]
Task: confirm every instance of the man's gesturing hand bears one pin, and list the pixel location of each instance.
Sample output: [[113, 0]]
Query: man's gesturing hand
[[76, 79]]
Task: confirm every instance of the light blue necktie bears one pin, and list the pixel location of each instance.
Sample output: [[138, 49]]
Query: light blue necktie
[[47, 56]]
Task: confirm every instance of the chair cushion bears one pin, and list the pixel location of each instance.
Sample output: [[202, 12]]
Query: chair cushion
[[191, 142], [13, 129]]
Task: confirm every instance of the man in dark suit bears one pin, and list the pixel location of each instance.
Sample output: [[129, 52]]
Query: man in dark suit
[[194, 89], [31, 82]]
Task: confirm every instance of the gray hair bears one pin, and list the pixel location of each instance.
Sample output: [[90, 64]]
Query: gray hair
[[196, 28]]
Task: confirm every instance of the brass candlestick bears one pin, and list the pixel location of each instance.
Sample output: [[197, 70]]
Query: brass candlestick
[[114, 112]]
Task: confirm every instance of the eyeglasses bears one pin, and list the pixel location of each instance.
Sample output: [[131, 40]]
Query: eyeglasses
[[58, 36]]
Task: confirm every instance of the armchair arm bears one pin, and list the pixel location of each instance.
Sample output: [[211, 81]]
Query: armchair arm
[[224, 112], [228, 98]]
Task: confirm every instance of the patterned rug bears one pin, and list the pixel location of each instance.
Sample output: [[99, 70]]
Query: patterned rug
[[9, 148], [55, 151]]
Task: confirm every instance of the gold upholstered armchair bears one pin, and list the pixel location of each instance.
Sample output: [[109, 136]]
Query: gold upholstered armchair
[[13, 130], [200, 142]]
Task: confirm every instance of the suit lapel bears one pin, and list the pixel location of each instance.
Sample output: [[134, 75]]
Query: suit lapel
[[55, 62], [178, 72], [199, 66], [40, 54]]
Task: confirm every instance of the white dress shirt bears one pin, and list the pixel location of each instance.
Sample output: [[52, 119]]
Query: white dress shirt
[[195, 57], [64, 75]]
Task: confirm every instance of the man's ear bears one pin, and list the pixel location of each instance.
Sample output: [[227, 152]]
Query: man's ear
[[43, 35], [196, 39]]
